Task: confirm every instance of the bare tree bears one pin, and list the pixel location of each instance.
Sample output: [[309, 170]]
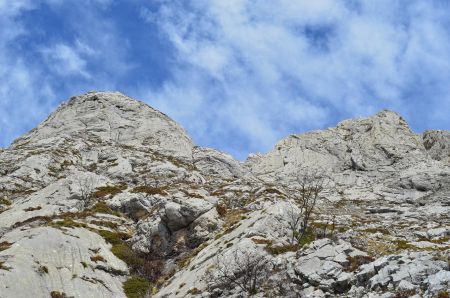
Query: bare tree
[[294, 219], [305, 193], [245, 269], [86, 186]]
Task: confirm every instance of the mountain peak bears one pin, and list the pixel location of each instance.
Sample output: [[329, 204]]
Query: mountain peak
[[111, 117]]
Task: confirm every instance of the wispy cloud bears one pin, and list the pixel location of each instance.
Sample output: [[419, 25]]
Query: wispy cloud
[[238, 74], [42, 63], [258, 70], [66, 60]]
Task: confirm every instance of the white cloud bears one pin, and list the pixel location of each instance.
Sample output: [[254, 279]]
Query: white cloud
[[66, 60], [31, 87], [265, 69]]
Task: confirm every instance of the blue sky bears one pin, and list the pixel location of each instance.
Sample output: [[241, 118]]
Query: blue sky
[[237, 74]]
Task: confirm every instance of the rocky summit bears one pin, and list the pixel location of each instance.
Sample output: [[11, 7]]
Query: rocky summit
[[109, 197]]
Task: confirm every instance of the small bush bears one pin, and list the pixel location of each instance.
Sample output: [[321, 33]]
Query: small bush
[[136, 287], [113, 237], [84, 264], [443, 294], [152, 267], [221, 209], [126, 254]]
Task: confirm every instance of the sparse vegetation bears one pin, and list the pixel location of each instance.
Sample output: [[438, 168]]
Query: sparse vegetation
[[97, 258], [32, 208], [150, 190], [136, 287], [277, 250], [405, 293], [56, 294], [194, 291], [247, 270], [5, 245], [109, 190], [68, 223], [305, 194], [3, 266], [355, 262], [86, 187], [101, 207], [124, 252], [5, 201], [43, 269]]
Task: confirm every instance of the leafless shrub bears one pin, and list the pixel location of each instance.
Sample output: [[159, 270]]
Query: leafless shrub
[[304, 193], [244, 269], [86, 186], [152, 267]]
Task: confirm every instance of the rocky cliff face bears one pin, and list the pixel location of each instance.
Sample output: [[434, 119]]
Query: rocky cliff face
[[110, 198]]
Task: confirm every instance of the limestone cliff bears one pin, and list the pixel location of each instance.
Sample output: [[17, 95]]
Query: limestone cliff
[[109, 197]]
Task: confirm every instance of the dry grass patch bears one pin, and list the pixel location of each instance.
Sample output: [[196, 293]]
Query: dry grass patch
[[150, 190], [97, 258], [109, 190]]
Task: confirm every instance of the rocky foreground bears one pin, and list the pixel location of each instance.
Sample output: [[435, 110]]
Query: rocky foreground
[[111, 198]]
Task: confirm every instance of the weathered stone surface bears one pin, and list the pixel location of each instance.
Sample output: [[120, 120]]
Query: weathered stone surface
[[104, 164]]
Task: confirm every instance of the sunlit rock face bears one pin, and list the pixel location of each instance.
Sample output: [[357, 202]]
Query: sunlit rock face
[[109, 197]]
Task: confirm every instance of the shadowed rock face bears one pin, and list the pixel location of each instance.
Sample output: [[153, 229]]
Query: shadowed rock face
[[108, 188]]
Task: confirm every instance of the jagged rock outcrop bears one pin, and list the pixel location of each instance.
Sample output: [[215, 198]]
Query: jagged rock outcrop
[[109, 196]]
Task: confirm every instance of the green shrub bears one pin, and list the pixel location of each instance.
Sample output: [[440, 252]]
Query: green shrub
[[126, 254], [136, 287], [113, 237]]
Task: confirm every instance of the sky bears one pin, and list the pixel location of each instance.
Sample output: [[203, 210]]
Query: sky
[[238, 75]]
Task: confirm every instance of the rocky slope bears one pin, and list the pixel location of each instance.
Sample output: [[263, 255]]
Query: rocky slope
[[111, 198]]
